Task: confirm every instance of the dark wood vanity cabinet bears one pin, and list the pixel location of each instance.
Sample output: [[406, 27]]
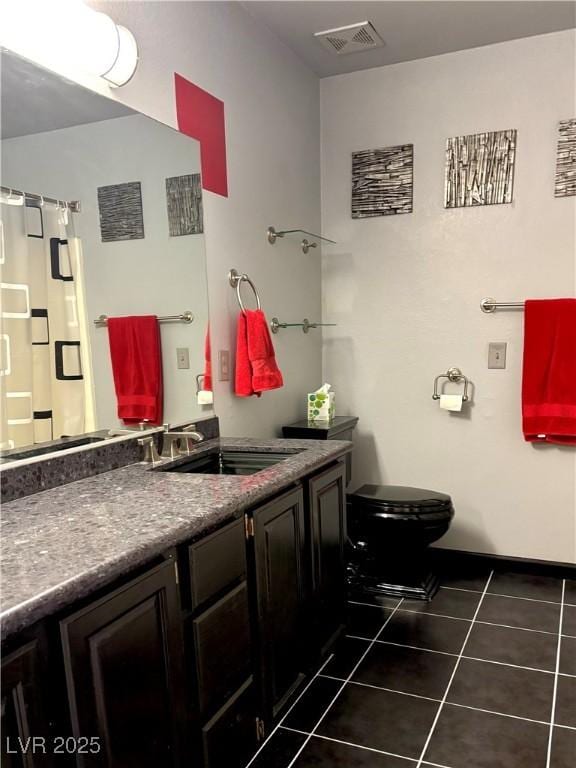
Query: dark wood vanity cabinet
[[24, 726], [326, 529], [279, 539], [219, 646], [189, 663], [297, 543], [123, 659]]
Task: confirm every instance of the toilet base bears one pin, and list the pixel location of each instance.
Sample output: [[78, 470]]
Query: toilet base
[[418, 582]]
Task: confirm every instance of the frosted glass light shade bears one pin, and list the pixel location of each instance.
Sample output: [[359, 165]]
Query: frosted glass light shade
[[126, 61], [68, 32]]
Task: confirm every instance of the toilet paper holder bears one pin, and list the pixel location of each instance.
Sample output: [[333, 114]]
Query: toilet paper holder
[[452, 374]]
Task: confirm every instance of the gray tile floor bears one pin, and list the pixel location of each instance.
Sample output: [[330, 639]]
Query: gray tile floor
[[484, 676]]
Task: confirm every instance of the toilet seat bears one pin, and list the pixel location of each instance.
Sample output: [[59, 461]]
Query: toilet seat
[[401, 500]]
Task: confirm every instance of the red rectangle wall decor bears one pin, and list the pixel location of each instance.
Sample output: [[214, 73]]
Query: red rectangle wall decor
[[201, 116]]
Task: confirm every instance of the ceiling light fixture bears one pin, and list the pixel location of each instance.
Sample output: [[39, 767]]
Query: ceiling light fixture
[[68, 33]]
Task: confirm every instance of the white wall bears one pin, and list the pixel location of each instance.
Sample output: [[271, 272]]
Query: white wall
[[405, 290], [158, 274], [273, 138]]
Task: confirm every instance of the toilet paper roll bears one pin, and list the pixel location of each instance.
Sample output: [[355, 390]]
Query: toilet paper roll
[[205, 397], [451, 402]]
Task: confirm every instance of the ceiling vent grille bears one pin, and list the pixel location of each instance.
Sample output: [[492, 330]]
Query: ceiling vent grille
[[351, 39]]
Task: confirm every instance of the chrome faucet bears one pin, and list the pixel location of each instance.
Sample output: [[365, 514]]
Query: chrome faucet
[[121, 431], [181, 443]]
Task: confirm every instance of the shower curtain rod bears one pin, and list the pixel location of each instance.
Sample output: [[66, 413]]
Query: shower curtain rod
[[73, 205]]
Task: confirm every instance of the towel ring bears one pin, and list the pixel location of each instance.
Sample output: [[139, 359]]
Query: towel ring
[[236, 279]]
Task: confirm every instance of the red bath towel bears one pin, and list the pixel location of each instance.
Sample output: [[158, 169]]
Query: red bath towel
[[256, 368], [549, 377], [207, 382], [137, 367]]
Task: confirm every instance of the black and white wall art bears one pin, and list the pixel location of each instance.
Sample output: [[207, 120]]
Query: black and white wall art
[[121, 216], [480, 169], [382, 181], [566, 159], [184, 204]]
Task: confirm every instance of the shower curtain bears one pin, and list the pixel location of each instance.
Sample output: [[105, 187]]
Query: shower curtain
[[45, 381]]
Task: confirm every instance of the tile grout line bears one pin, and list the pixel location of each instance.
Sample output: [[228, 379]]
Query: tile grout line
[[472, 592], [285, 715], [452, 703], [360, 660], [502, 594], [453, 675], [360, 746], [464, 656], [551, 733], [478, 621], [402, 645]]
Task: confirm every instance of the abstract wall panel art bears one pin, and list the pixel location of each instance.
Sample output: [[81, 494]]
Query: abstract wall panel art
[[480, 169], [121, 216], [566, 159], [184, 204], [382, 181]]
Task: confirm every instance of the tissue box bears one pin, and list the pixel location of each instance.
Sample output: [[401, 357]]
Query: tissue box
[[321, 406]]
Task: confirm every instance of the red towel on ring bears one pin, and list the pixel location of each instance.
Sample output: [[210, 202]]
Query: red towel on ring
[[256, 368], [207, 381], [549, 376], [137, 367]]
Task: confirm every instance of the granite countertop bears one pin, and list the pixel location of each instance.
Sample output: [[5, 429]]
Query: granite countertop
[[62, 544]]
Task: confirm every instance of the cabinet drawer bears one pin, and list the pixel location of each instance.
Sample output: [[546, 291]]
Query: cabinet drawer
[[217, 562], [229, 738], [222, 649]]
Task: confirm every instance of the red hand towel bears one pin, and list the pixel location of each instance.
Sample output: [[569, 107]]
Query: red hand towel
[[207, 382], [549, 377], [137, 367], [256, 368]]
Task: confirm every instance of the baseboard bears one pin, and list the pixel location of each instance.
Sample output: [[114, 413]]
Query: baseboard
[[541, 567]]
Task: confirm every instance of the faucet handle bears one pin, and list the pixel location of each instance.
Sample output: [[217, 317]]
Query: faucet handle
[[151, 455]]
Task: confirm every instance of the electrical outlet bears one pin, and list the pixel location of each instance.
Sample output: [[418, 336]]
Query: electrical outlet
[[497, 354], [183, 358], [223, 365]]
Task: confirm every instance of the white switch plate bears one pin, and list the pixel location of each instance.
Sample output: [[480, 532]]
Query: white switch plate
[[223, 365], [497, 354], [183, 358]]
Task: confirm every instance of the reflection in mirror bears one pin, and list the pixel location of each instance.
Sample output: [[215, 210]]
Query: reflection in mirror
[[110, 224]]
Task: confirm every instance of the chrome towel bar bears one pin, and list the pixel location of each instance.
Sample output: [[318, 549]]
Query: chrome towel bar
[[275, 325], [491, 305], [185, 317]]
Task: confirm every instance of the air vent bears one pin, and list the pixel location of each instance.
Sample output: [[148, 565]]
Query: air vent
[[350, 39]]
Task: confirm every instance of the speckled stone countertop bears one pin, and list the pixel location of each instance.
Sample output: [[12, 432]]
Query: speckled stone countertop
[[62, 544]]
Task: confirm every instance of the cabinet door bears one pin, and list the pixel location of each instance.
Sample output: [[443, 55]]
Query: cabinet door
[[229, 738], [123, 661], [222, 649], [23, 726], [279, 559], [327, 532]]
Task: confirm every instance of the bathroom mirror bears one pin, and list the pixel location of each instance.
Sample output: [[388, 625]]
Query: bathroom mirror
[[110, 224]]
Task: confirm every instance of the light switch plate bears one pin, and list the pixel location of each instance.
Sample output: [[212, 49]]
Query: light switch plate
[[183, 358], [223, 365], [497, 354]]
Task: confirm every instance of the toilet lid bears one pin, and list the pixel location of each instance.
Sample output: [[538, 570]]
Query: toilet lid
[[401, 496]]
